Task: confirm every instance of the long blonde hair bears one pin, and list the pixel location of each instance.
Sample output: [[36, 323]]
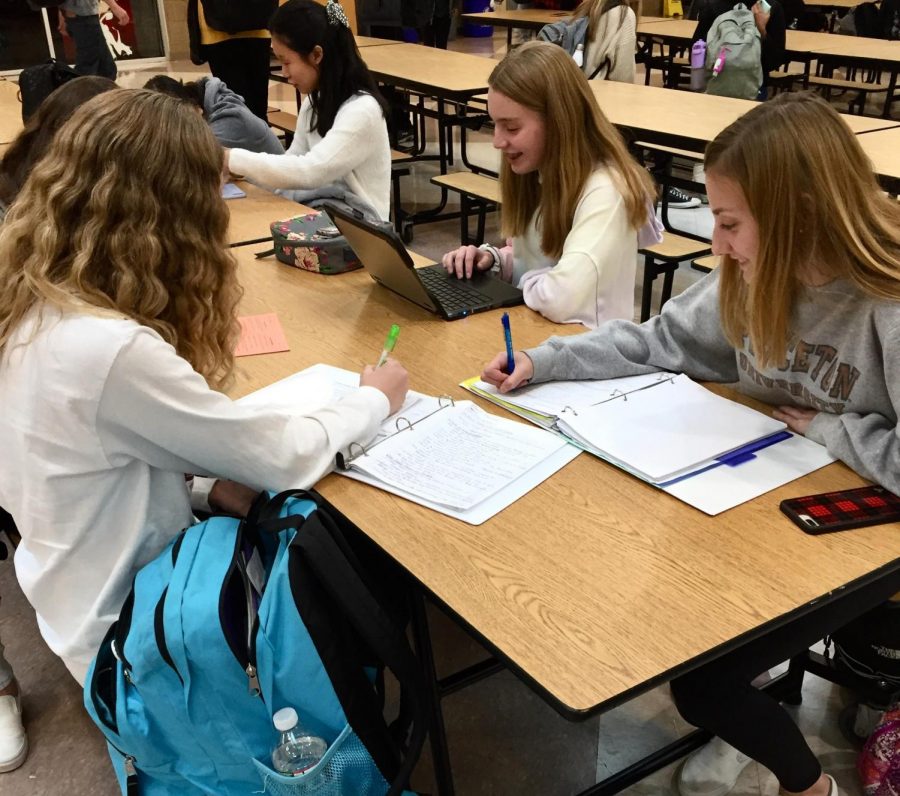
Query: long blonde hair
[[544, 78], [818, 206], [124, 216]]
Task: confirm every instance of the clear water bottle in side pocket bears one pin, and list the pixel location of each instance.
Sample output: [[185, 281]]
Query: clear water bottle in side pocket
[[698, 66], [297, 750]]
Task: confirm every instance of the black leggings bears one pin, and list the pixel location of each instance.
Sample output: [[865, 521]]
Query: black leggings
[[719, 698]]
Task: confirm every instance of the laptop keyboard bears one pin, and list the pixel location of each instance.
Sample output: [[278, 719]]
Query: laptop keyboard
[[452, 294]]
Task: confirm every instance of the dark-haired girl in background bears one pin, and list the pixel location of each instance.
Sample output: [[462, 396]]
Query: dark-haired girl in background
[[341, 148]]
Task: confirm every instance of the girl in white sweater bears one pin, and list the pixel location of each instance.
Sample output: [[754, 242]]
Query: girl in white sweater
[[118, 298], [573, 198], [611, 40], [341, 143]]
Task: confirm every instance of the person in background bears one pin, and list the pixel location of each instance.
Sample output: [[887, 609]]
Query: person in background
[[225, 112], [239, 58], [802, 313], [34, 139], [573, 197], [119, 296], [612, 40], [80, 20], [341, 149]]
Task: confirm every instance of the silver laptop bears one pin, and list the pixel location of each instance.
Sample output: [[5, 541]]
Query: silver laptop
[[385, 257]]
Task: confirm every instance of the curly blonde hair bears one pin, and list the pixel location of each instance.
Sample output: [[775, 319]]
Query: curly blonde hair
[[124, 216]]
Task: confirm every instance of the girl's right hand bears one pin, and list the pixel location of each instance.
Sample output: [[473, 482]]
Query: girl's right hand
[[495, 371], [465, 260], [391, 378]]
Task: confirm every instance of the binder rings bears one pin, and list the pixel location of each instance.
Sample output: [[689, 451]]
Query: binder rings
[[452, 457], [711, 452]]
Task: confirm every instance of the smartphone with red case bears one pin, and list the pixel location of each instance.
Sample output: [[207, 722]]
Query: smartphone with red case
[[843, 510]]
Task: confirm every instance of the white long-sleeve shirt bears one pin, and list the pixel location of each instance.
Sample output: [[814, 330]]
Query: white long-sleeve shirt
[[355, 152], [100, 421], [593, 280]]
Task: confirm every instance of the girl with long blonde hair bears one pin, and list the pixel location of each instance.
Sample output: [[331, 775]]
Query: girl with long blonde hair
[[118, 299], [573, 197], [803, 313]]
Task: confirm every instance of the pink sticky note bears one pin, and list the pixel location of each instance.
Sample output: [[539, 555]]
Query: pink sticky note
[[261, 334]]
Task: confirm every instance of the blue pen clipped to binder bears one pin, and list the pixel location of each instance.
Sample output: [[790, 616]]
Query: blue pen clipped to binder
[[736, 457]]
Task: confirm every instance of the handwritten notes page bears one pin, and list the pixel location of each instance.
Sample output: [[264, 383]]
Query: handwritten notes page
[[457, 460], [459, 456], [261, 334]]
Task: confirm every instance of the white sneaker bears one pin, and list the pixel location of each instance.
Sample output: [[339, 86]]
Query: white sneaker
[[13, 741], [711, 771]]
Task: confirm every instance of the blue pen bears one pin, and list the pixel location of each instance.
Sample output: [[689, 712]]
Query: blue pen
[[507, 335]]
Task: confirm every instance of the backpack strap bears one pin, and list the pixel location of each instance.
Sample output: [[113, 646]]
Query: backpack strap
[[321, 548]]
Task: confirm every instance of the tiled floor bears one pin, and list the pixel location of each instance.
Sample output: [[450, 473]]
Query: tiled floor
[[504, 740]]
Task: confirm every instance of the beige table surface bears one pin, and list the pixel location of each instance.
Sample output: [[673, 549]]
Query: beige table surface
[[858, 47], [10, 111], [594, 584], [252, 214], [692, 117], [439, 73], [668, 28], [518, 18], [883, 148], [370, 41]]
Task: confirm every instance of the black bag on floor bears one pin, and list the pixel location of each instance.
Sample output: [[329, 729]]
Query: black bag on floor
[[870, 646], [36, 83]]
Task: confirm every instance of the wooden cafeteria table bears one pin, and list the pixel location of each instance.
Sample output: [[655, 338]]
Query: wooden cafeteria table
[[369, 41], [529, 19], [252, 214], [883, 149], [685, 119], [595, 586], [10, 111], [444, 74], [862, 52]]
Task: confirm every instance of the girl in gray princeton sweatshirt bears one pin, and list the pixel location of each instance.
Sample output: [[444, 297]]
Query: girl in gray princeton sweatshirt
[[804, 313]]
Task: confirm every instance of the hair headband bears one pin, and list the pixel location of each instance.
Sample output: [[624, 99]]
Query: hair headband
[[336, 14]]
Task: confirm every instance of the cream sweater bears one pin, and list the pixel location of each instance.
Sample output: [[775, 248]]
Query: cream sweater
[[593, 280], [354, 153], [611, 47]]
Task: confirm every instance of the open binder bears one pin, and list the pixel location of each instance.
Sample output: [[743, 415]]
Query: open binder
[[450, 456], [671, 432]]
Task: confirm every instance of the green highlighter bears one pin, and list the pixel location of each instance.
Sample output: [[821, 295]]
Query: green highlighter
[[389, 344]]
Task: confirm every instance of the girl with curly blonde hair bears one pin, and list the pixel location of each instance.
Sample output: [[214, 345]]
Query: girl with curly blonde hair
[[118, 300]]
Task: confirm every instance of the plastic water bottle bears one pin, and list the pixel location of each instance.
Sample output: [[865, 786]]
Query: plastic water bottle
[[297, 750], [698, 66], [578, 56]]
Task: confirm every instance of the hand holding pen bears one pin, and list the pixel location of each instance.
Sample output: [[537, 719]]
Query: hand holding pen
[[388, 375], [508, 369]]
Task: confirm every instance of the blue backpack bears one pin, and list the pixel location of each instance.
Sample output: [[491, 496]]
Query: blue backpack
[[235, 620]]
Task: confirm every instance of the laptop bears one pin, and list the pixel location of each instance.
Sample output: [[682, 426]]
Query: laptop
[[388, 262]]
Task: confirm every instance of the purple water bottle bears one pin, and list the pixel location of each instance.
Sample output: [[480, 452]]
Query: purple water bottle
[[698, 66]]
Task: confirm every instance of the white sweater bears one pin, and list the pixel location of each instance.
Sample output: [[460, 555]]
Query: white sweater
[[593, 281], [611, 47], [101, 420], [355, 153]]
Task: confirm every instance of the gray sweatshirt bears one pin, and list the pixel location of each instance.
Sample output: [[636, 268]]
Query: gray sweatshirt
[[845, 363], [232, 122]]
